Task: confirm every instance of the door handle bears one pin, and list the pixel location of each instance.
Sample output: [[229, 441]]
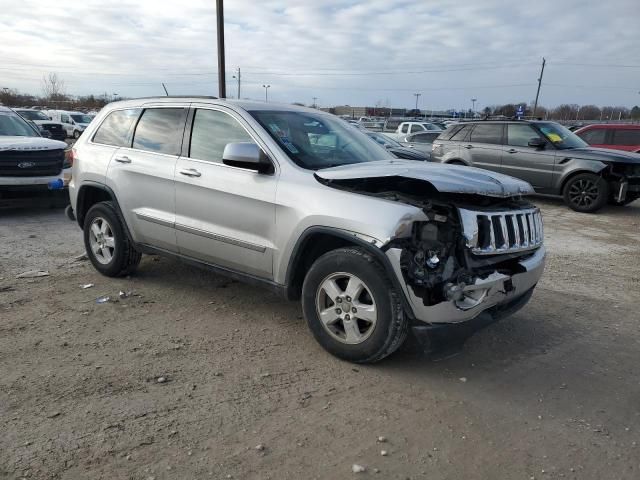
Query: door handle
[[512, 150], [468, 147], [123, 159], [190, 172]]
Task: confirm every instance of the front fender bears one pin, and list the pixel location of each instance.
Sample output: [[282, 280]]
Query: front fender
[[567, 167]]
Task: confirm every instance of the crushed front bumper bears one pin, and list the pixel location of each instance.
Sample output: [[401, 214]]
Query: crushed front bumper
[[494, 291]]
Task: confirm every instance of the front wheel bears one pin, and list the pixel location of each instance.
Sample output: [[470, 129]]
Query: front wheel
[[76, 134], [586, 192], [352, 308]]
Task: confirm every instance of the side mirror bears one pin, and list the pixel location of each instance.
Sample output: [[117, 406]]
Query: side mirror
[[246, 155], [537, 142]]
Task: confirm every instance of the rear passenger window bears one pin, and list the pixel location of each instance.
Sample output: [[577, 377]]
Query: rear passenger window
[[405, 128], [595, 136], [212, 131], [116, 128], [489, 133], [160, 130], [626, 137], [450, 132], [417, 128]]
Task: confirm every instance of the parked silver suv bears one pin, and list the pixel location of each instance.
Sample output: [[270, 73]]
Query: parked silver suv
[[298, 201]]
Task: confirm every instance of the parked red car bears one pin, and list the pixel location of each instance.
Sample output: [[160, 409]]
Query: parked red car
[[618, 136]]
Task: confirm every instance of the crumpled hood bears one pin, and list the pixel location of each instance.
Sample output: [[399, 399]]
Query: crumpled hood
[[444, 178], [601, 154], [29, 144]]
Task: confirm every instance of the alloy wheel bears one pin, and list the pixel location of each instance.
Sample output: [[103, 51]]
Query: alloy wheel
[[583, 192], [101, 240], [346, 308]]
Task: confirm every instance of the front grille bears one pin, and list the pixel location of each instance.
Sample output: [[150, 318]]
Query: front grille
[[35, 163], [491, 233]]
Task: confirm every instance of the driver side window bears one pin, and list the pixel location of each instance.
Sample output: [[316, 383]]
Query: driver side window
[[212, 130], [520, 135]]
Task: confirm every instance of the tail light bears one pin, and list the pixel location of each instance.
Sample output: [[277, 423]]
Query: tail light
[[68, 158]]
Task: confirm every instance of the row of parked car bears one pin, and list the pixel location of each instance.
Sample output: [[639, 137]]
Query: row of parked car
[[595, 166], [57, 124]]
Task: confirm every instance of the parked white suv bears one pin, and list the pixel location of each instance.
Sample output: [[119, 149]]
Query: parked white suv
[[296, 200]]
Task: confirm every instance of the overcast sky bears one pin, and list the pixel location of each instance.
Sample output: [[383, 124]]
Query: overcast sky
[[340, 51]]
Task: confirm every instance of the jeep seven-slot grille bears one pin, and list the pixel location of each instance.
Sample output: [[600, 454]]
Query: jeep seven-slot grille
[[491, 233], [31, 163]]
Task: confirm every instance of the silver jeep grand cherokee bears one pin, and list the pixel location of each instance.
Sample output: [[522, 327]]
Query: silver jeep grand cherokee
[[298, 201]]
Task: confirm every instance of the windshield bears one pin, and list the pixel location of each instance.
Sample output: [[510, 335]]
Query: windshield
[[561, 137], [15, 126], [316, 141], [32, 115], [81, 118], [383, 139]]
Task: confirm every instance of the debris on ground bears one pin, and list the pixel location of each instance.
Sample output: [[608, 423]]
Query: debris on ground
[[463, 379], [355, 468], [122, 294], [161, 379], [103, 299], [87, 285], [384, 453], [33, 274], [80, 258], [382, 439], [259, 447]]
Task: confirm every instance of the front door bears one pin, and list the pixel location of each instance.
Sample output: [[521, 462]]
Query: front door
[[225, 215], [534, 165]]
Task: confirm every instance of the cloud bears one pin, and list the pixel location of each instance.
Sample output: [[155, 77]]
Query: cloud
[[341, 51]]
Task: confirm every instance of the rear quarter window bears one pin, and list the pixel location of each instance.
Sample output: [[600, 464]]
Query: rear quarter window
[[116, 128], [628, 137], [594, 136]]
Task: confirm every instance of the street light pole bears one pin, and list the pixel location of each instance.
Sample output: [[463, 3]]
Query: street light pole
[[473, 106], [417, 95], [266, 92], [314, 102], [222, 90]]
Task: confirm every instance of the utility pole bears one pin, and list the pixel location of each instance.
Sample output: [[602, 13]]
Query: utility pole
[[237, 75], [266, 92], [314, 102], [417, 95], [222, 90], [473, 106], [535, 105], [165, 90]]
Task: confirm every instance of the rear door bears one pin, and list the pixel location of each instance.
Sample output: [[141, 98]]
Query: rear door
[[142, 175], [485, 146], [534, 165], [225, 215]]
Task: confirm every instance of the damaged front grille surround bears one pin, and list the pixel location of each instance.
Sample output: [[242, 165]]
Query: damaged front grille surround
[[492, 233]]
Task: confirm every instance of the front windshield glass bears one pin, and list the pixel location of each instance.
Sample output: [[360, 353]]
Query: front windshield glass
[[561, 137], [383, 139], [316, 141], [33, 115], [15, 126], [81, 118]]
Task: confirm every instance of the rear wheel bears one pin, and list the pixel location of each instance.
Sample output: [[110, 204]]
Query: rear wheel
[[352, 308], [108, 247], [76, 134], [586, 192]]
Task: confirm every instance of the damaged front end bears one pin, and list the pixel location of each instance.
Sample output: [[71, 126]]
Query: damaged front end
[[462, 260]]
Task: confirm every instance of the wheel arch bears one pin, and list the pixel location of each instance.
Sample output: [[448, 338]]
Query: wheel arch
[[91, 193], [315, 242], [569, 175]]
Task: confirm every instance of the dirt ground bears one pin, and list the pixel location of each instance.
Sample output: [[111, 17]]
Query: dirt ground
[[552, 392]]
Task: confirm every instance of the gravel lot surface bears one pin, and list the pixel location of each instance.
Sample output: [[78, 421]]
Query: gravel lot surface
[[196, 376]]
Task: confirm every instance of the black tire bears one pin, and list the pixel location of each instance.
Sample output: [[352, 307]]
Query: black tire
[[586, 192], [457, 162], [391, 325], [76, 134], [125, 257]]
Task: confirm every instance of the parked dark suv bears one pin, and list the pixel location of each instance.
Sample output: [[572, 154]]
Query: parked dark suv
[[548, 156]]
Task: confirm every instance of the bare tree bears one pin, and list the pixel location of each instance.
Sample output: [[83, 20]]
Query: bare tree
[[53, 87]]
